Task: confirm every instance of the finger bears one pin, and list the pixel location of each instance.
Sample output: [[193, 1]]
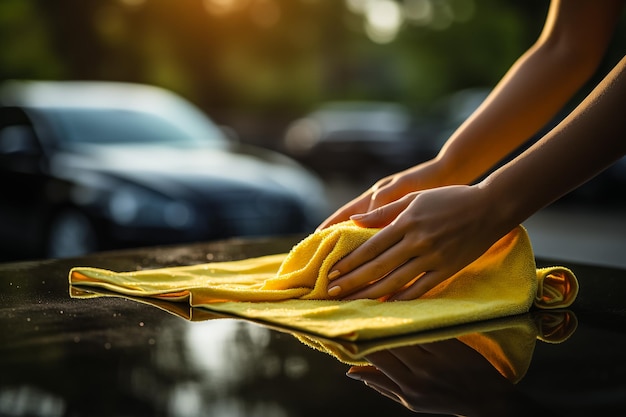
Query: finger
[[381, 216], [386, 361], [421, 286], [359, 371], [374, 378], [415, 356], [373, 273], [389, 284], [386, 193], [390, 374], [378, 191], [392, 392], [396, 361], [381, 243]]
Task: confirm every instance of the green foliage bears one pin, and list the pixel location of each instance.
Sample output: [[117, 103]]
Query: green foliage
[[24, 48], [270, 57]]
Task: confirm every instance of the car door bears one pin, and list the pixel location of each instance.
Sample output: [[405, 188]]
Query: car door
[[25, 189]]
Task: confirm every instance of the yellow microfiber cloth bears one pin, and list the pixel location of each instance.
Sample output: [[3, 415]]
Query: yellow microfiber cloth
[[289, 290]]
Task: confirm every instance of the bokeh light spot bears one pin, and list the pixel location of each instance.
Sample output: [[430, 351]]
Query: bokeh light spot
[[383, 20], [418, 12], [224, 7]]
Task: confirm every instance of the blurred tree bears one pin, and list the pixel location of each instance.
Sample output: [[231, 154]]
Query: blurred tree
[[24, 48], [259, 63]]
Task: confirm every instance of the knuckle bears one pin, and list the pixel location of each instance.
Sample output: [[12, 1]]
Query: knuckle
[[436, 257], [369, 250], [377, 270]]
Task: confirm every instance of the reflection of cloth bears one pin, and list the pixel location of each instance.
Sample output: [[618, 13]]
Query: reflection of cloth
[[290, 290], [507, 343]]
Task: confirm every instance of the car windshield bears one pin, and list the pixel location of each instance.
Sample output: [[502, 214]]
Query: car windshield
[[122, 126]]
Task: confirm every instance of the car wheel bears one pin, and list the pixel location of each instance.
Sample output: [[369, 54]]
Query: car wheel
[[71, 234]]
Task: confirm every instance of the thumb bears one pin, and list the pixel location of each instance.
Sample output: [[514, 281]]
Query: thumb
[[381, 216]]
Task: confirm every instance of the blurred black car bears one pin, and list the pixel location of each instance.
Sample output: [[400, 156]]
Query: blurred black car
[[88, 166], [357, 140]]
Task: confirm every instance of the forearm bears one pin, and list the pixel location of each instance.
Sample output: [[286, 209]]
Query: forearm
[[582, 145], [532, 92], [511, 115]]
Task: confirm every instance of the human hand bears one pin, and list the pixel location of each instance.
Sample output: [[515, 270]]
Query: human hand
[[426, 237], [446, 377], [389, 189]]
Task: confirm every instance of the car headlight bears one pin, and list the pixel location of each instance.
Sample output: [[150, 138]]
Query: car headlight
[[140, 208]]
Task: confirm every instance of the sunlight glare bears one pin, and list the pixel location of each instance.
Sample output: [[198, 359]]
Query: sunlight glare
[[224, 7], [383, 20]]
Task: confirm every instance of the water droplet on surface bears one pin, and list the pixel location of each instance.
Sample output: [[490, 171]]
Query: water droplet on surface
[[141, 324]]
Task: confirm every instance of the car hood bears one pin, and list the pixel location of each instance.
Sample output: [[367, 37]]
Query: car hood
[[184, 172]]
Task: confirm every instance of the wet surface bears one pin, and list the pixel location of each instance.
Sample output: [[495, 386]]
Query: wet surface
[[111, 356]]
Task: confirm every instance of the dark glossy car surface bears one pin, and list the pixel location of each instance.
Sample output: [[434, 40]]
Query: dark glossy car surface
[[88, 166], [110, 356]]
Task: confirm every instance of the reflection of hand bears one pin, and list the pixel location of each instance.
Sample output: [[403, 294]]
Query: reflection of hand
[[446, 377], [389, 189], [430, 234]]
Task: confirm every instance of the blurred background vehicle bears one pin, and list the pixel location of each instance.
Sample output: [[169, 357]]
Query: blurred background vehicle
[[448, 112], [88, 166], [358, 140]]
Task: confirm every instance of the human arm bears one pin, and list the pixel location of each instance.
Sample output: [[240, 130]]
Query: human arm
[[541, 81], [434, 233]]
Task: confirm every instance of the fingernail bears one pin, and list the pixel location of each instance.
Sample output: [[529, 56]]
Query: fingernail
[[334, 291], [333, 274], [354, 376], [357, 216]]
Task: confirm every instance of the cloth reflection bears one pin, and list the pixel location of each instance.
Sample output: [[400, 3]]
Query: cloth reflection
[[472, 374]]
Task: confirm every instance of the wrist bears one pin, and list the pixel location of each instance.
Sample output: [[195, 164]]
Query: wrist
[[500, 215], [437, 172], [453, 168]]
